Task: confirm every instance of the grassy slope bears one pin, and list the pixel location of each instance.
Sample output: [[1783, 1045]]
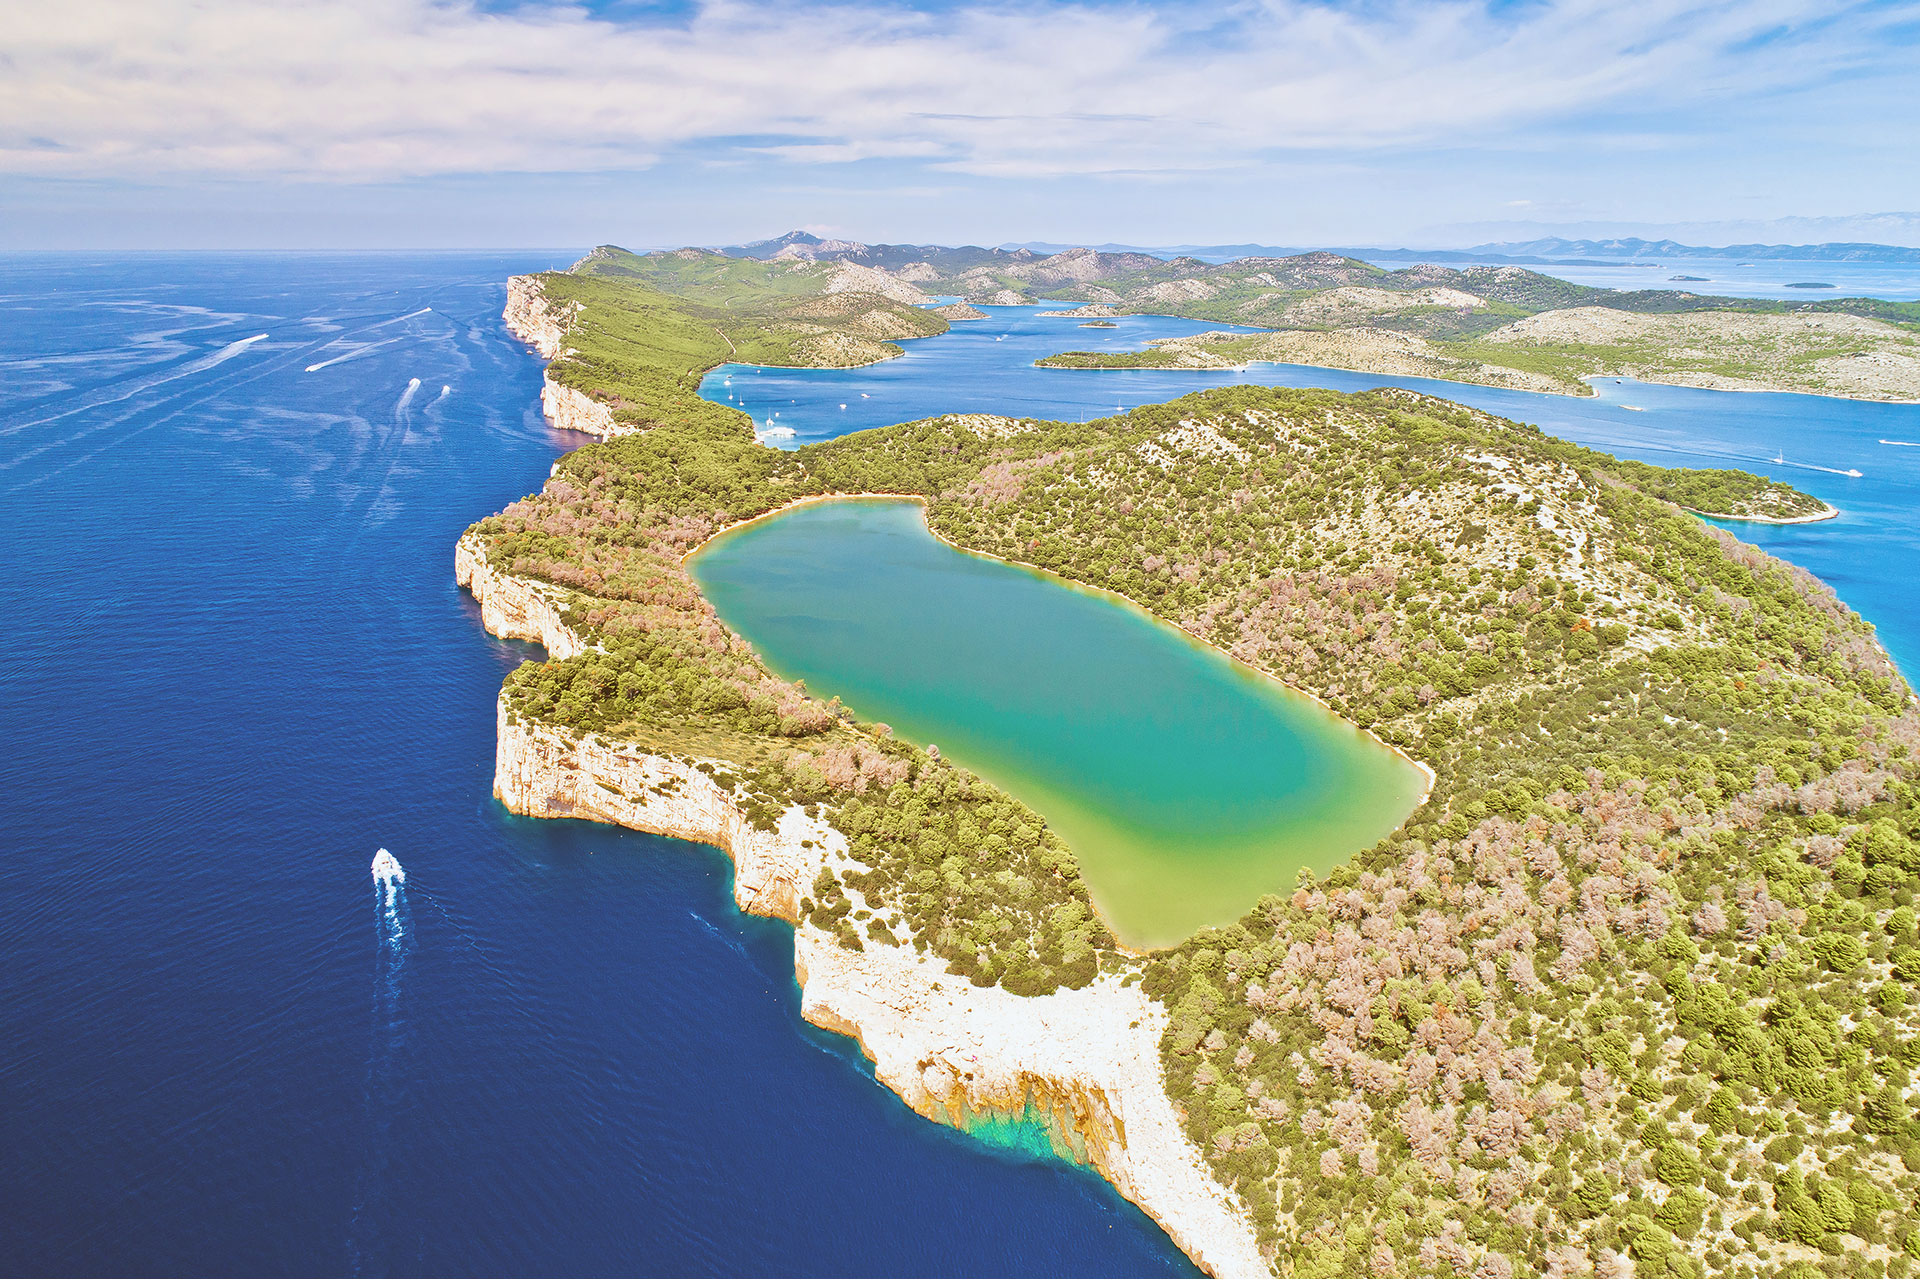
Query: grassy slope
[[1653, 934]]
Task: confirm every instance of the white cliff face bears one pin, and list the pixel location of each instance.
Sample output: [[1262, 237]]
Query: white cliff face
[[571, 410], [515, 608], [543, 327], [530, 319], [1086, 1063]]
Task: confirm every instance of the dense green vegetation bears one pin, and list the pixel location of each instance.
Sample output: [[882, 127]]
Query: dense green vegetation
[[1719, 492], [1634, 988], [1151, 358], [643, 328]]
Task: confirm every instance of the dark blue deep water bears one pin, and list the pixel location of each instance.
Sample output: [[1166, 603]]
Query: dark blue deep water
[[236, 664]]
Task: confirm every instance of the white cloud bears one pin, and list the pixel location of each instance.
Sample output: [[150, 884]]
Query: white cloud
[[359, 89]]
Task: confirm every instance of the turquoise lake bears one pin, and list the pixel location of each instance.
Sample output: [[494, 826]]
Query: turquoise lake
[[1186, 784]]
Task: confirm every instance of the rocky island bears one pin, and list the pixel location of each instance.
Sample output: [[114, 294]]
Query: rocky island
[[1630, 992], [1502, 326]]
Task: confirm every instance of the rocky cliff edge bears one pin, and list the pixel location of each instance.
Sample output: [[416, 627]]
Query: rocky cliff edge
[[1083, 1064]]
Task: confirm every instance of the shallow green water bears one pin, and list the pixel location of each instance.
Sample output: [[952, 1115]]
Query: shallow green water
[[1187, 785]]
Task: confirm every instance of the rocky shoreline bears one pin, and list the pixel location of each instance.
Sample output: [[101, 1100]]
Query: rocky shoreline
[[1083, 1063]]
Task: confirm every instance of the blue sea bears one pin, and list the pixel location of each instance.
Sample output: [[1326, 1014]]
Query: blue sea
[[1816, 443], [238, 665]]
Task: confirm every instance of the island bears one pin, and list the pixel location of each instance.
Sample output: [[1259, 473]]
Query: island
[[1631, 989], [1502, 326]]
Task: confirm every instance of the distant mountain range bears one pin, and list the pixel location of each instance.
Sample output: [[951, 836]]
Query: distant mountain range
[[1551, 251], [1633, 247], [1450, 295]]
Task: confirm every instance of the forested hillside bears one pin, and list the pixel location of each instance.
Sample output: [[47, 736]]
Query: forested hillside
[[1631, 990]]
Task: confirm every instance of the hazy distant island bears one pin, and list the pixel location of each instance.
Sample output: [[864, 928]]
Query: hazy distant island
[[1503, 326], [1632, 991], [1546, 251]]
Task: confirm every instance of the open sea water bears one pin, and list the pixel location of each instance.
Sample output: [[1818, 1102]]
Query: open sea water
[[237, 664]]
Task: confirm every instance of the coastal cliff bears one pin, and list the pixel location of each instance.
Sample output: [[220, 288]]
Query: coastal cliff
[[530, 319], [1083, 1064], [1672, 807], [570, 410], [515, 608]]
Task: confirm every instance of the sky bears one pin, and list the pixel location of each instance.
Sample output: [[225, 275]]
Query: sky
[[449, 123]]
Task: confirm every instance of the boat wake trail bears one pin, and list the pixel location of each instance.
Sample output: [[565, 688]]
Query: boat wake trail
[[353, 354], [390, 887], [730, 943], [397, 319], [406, 397], [394, 928], [212, 360], [219, 357]]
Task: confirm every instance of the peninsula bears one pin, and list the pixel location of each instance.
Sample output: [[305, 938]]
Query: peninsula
[[1632, 988], [1502, 326]]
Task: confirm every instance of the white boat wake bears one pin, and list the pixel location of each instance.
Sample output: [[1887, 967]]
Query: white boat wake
[[353, 354], [381, 324], [1903, 444], [390, 887], [221, 356], [393, 918]]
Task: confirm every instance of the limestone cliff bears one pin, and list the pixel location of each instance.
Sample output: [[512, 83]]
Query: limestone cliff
[[571, 410], [515, 608], [1085, 1064], [542, 326], [530, 319]]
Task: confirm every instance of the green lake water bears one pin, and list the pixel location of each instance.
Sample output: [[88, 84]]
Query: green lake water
[[1186, 784]]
